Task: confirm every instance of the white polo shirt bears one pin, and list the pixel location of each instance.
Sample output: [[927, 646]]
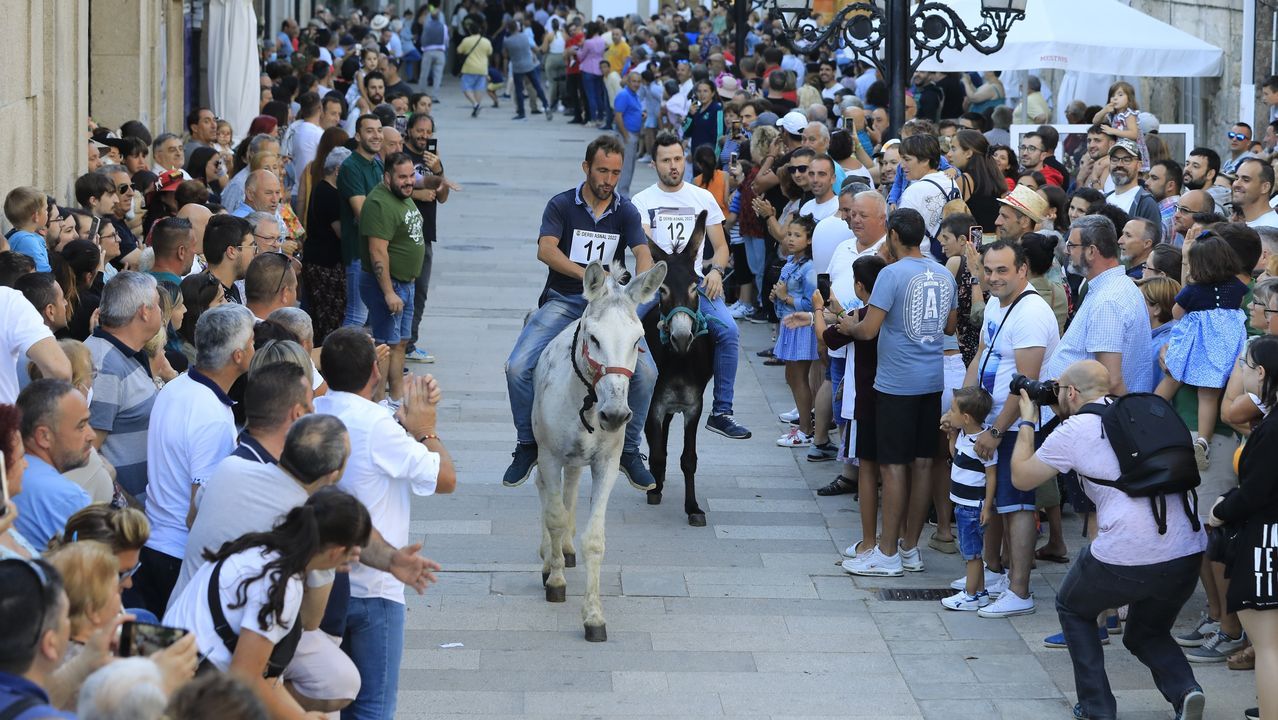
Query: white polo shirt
[[192, 429], [20, 327], [843, 285], [386, 468], [673, 215]]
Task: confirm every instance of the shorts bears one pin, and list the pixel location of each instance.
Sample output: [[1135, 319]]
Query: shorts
[[968, 531], [741, 274], [474, 83], [867, 440], [911, 427], [1007, 499], [387, 328], [320, 670], [954, 375], [1048, 495], [836, 367]]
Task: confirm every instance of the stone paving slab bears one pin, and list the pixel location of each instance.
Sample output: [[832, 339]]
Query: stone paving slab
[[749, 618]]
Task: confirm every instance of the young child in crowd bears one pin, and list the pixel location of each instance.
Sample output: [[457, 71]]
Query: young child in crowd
[[796, 343], [972, 483], [1118, 118], [1209, 334], [861, 437]]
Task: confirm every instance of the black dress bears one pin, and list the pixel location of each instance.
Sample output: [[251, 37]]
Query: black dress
[[1253, 509]]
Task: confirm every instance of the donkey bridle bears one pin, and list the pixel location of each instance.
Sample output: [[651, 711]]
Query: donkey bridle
[[598, 371]]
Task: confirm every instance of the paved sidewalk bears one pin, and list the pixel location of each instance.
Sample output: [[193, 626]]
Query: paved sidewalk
[[749, 617]]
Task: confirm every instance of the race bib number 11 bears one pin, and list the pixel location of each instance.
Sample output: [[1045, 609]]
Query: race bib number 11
[[589, 246]]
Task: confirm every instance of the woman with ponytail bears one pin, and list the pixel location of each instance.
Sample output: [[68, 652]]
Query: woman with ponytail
[[251, 600]]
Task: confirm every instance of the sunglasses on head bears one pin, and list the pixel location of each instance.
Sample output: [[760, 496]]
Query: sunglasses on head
[[1235, 136]]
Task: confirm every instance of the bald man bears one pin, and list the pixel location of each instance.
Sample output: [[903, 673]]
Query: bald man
[[198, 216], [1129, 563], [262, 193], [1190, 203], [392, 142]]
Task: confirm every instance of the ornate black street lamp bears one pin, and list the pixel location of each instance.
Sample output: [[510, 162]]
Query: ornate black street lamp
[[890, 29]]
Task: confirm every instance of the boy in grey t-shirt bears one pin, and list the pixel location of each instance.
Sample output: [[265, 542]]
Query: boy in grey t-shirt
[[913, 306]]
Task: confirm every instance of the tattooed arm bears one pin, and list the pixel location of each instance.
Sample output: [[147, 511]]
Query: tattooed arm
[[379, 257]]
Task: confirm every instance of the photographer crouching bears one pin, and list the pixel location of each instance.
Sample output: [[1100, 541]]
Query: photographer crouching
[[1140, 558]]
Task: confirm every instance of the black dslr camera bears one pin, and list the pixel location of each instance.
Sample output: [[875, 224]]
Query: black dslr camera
[[1042, 392]]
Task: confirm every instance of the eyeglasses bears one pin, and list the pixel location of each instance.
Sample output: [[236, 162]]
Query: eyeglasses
[[1031, 148], [1187, 210], [284, 272], [43, 579], [1235, 136], [1263, 308], [130, 572], [798, 168], [271, 239], [1128, 160]]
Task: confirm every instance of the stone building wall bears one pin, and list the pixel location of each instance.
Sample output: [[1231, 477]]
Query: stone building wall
[[53, 58]]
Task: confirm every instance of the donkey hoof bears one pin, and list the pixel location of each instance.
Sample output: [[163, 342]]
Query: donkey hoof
[[556, 594], [654, 498], [544, 577], [697, 519], [570, 560], [596, 633]]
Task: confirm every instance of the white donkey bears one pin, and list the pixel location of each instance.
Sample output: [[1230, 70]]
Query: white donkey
[[579, 419]]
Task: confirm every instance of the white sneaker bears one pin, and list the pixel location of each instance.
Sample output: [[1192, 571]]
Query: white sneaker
[[911, 560], [850, 551], [991, 578], [1008, 604], [962, 601], [875, 564], [794, 439], [996, 586], [738, 310], [789, 417]]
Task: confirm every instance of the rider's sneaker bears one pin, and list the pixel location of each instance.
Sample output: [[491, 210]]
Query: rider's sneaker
[[727, 426], [634, 468], [525, 459]]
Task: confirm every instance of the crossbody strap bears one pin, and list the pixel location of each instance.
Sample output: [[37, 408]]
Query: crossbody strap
[[989, 349], [220, 625]]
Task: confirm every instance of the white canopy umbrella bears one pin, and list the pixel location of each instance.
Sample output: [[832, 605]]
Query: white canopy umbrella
[[1095, 36], [234, 72]]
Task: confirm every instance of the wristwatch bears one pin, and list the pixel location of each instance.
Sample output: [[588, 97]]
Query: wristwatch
[[996, 433], [722, 270]]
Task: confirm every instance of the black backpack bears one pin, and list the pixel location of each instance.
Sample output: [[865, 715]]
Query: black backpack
[[1155, 453]]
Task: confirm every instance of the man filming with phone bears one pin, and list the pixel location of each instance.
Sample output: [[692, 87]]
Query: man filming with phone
[[430, 190], [1129, 563]]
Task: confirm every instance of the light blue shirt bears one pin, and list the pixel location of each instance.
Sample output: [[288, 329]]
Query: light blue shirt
[[1111, 318], [917, 294], [31, 245], [46, 501]]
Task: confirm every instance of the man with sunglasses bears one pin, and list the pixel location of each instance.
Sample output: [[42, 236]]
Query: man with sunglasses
[[120, 215], [1239, 148], [37, 633], [1193, 202]]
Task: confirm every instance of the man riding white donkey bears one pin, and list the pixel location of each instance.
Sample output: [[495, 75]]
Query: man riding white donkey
[[579, 371]]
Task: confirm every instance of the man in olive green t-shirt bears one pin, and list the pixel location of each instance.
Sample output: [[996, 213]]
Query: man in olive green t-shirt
[[391, 251]]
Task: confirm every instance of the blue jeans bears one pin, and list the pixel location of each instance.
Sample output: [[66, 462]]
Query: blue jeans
[[596, 95], [356, 312], [374, 641], [727, 345], [534, 77], [388, 328], [547, 322], [756, 257], [1154, 596]]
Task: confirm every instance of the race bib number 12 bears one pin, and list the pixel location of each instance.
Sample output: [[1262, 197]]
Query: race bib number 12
[[589, 246], [672, 230]]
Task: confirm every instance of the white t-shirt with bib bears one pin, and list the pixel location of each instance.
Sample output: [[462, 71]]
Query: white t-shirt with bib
[[672, 216]]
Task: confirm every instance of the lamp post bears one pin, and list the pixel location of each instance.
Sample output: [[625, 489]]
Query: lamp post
[[741, 10], [874, 34]]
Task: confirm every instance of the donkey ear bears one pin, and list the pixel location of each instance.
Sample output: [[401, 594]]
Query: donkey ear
[[658, 254], [641, 289], [595, 282], [693, 249]]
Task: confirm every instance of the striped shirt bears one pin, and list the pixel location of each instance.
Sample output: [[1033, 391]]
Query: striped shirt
[[967, 474], [123, 394]]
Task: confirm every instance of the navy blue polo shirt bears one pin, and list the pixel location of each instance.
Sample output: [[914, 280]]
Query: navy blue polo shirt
[[585, 238]]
